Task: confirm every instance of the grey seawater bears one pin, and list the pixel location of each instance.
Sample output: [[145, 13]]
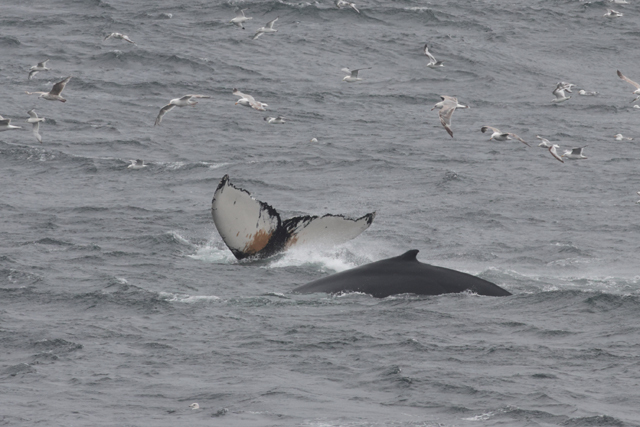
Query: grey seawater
[[120, 304]]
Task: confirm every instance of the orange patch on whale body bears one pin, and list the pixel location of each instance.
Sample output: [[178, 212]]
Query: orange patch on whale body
[[259, 241]]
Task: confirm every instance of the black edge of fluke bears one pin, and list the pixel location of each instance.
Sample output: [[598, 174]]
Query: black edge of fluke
[[253, 229], [403, 274]]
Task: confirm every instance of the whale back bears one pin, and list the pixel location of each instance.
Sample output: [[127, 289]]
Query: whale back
[[403, 274]]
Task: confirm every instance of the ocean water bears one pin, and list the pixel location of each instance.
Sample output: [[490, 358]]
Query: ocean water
[[121, 305]]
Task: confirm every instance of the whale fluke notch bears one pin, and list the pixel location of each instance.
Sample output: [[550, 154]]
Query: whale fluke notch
[[251, 228], [403, 274]]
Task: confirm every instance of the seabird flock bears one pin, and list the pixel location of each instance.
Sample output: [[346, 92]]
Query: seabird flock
[[446, 106]]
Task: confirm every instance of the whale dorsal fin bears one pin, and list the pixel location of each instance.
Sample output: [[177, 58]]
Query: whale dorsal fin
[[409, 255]]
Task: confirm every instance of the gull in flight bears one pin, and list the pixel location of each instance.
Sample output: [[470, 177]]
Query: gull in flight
[[574, 153], [353, 77], [274, 120], [559, 92], [240, 19], [613, 13], [194, 406], [342, 3], [432, 60], [249, 101], [266, 29], [619, 1], [619, 137], [178, 102], [636, 85], [42, 66], [447, 106], [5, 124], [498, 135], [545, 142], [553, 150], [54, 93], [137, 164], [119, 36], [35, 121], [585, 93]]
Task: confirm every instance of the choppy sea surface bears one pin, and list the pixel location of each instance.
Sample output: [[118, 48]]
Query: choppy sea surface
[[121, 305]]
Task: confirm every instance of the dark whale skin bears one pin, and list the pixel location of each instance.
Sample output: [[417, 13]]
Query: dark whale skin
[[403, 274]]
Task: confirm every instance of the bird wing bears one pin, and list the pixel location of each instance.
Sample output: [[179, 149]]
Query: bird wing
[[483, 129], [554, 153], [32, 114], [162, 112], [513, 135], [236, 92], [36, 129], [270, 23], [31, 74], [628, 80], [258, 34], [559, 92], [577, 151], [59, 87], [354, 73], [109, 36], [5, 122], [426, 52], [197, 96], [449, 98], [445, 114], [240, 13], [126, 38], [353, 6], [43, 63]]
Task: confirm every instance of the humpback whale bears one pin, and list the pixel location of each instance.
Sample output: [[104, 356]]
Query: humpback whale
[[403, 274], [251, 228]]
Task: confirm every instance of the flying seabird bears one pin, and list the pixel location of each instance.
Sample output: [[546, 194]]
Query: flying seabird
[[619, 137], [498, 135], [266, 29], [177, 102], [612, 13], [54, 93], [619, 1], [240, 19], [636, 85], [432, 60], [249, 101], [545, 142], [559, 92], [137, 164], [314, 140], [574, 153], [585, 93], [447, 106], [42, 66], [35, 121], [554, 152], [274, 120], [353, 77], [342, 3], [5, 124], [194, 406], [119, 36]]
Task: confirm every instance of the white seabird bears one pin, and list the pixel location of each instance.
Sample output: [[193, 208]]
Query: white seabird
[[447, 106], [194, 406], [612, 13], [178, 102], [585, 93], [54, 93], [545, 142], [35, 121], [274, 120], [137, 164], [266, 29], [342, 3], [314, 140], [42, 66], [574, 153], [5, 124], [628, 80], [498, 135], [249, 101], [619, 1], [432, 60], [353, 77], [119, 36], [559, 92], [240, 19], [636, 106], [554, 152], [619, 137]]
